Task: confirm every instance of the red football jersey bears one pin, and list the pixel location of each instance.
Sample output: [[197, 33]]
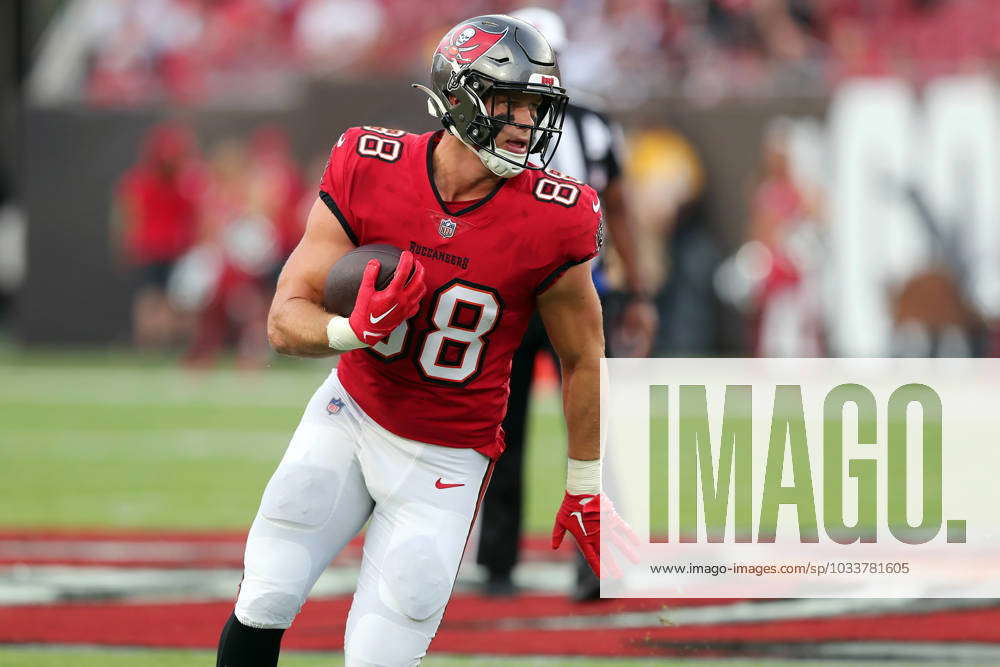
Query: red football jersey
[[442, 377]]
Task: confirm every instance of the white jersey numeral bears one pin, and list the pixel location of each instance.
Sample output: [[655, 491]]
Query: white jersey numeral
[[561, 193], [462, 315], [373, 145], [452, 350], [390, 346]]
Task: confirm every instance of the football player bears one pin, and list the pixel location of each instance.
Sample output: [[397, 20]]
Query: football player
[[405, 430]]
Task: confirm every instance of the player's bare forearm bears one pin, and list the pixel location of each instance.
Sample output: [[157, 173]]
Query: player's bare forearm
[[297, 327], [623, 237], [572, 315], [639, 317], [571, 312], [296, 323], [581, 407]]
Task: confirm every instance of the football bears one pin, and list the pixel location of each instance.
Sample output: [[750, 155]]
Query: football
[[344, 278]]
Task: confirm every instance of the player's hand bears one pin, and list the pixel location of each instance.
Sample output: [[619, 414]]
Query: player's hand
[[634, 337], [583, 516], [377, 312]]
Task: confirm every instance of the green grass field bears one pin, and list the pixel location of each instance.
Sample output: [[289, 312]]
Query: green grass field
[[116, 440], [119, 440]]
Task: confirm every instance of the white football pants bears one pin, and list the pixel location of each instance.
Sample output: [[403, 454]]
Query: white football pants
[[340, 469]]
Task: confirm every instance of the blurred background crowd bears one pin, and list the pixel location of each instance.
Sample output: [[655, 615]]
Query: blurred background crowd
[[140, 51], [207, 236], [186, 138]]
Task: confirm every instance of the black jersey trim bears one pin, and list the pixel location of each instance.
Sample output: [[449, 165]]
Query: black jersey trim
[[435, 138], [332, 205], [552, 277]]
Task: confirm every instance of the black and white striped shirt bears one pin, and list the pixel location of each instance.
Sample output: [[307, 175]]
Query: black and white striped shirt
[[590, 149]]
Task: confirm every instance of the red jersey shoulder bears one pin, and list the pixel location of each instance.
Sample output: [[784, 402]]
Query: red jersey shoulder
[[370, 141], [570, 208], [363, 151], [357, 160]]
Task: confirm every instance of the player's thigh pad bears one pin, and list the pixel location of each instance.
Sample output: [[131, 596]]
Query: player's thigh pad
[[410, 564], [413, 548], [315, 502], [422, 559]]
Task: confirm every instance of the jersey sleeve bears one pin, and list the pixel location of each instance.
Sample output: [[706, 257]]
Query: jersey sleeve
[[581, 235], [337, 183]]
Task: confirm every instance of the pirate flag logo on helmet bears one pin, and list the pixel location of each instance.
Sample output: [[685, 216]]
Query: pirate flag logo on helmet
[[466, 44]]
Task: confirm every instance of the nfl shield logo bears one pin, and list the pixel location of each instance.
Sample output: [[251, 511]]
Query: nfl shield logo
[[447, 228], [334, 406]]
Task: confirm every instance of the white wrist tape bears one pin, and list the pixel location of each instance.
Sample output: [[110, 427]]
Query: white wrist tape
[[583, 477], [341, 336]]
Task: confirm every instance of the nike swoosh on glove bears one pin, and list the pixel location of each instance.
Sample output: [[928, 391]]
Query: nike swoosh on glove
[[584, 516], [377, 312]]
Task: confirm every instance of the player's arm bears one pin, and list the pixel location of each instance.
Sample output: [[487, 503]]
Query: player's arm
[[571, 312], [639, 319], [622, 235], [572, 315], [297, 322]]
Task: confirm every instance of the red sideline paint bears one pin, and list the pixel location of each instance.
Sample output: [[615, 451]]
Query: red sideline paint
[[474, 624]]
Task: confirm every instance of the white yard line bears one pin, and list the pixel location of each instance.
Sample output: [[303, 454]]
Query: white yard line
[[41, 584]]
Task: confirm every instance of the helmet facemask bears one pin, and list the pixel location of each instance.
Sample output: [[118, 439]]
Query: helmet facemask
[[494, 112]]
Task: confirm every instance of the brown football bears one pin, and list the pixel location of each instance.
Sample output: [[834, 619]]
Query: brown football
[[344, 279]]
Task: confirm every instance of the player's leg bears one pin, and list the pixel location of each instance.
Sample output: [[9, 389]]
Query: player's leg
[[314, 504], [243, 646], [500, 525], [413, 546]]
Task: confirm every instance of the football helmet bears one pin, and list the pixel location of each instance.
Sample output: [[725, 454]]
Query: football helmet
[[477, 64]]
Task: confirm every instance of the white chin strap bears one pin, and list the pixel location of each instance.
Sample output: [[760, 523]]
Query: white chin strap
[[500, 167]]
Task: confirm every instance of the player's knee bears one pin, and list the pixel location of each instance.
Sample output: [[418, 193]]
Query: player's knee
[[418, 580], [300, 496], [366, 646], [276, 580], [271, 610]]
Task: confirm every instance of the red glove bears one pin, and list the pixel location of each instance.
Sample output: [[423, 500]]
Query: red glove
[[583, 516], [377, 312]]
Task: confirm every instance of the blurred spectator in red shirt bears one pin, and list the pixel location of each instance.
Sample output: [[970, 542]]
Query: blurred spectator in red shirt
[[226, 279], [158, 205], [277, 188]]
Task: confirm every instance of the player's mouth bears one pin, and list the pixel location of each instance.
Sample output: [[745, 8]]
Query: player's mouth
[[516, 146]]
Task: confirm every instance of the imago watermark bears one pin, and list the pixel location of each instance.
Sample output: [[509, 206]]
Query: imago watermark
[[806, 477]]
